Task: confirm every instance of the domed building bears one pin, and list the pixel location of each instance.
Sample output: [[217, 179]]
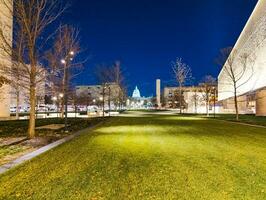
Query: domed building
[[138, 102], [136, 93]]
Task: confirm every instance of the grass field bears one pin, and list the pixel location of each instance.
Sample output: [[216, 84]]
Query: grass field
[[149, 157], [14, 129], [249, 119], [18, 128]]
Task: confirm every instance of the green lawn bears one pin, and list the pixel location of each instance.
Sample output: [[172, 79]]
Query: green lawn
[[18, 128], [151, 157], [249, 119], [13, 129]]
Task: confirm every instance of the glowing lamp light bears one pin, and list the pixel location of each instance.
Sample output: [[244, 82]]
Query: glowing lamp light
[[72, 53], [61, 95], [63, 61]]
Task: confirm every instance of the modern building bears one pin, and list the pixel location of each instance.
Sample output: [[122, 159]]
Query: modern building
[[24, 95], [6, 24], [193, 99], [251, 87]]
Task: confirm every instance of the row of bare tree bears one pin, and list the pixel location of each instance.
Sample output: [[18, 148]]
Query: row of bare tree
[[113, 74], [238, 70], [39, 51]]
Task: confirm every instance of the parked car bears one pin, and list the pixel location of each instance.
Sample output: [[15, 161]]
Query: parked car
[[93, 110], [13, 109], [42, 108]]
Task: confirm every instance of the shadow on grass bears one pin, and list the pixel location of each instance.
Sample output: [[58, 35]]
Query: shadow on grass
[[18, 128]]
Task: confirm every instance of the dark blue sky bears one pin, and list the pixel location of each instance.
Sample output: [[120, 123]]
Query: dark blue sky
[[146, 35]]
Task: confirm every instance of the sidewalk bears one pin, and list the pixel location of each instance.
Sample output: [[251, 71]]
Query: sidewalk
[[44, 149]]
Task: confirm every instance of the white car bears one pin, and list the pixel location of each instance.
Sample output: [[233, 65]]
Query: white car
[[13, 109], [41, 108]]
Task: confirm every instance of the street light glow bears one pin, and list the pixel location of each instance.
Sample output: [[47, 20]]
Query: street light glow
[[63, 61]]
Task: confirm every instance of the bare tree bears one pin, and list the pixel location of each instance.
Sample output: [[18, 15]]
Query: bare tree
[[113, 74], [119, 79], [208, 83], [195, 99], [238, 70], [64, 65], [31, 17], [183, 74], [3, 81]]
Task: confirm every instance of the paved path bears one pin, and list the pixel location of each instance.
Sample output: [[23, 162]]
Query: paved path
[[42, 150], [242, 123]]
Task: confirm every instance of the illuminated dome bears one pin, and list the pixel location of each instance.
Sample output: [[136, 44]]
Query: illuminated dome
[[136, 93]]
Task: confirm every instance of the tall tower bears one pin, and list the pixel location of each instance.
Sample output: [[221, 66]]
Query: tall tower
[[6, 25], [158, 92]]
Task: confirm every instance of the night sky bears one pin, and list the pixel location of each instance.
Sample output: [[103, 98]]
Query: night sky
[[146, 35]]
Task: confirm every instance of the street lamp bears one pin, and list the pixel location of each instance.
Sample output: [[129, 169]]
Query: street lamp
[[66, 61], [109, 100], [215, 94]]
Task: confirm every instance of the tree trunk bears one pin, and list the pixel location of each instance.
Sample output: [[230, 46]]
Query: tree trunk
[[207, 105], [236, 103], [180, 99], [64, 94], [31, 129], [17, 104], [62, 108], [196, 105]]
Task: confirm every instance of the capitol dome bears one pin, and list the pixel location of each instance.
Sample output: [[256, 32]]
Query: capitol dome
[[136, 93]]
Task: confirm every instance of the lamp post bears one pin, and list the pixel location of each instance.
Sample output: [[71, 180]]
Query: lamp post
[[103, 101], [214, 110], [66, 63], [54, 99], [109, 100]]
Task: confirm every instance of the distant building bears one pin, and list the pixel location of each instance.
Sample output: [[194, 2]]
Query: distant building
[[138, 102], [193, 99], [136, 93], [96, 93], [251, 91], [158, 93]]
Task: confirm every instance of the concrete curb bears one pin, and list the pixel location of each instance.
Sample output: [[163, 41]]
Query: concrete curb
[[241, 123], [44, 149]]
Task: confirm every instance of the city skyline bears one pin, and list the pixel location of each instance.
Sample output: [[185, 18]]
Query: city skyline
[[147, 36]]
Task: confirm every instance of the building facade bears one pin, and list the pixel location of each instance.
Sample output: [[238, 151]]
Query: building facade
[[95, 94], [136, 101], [193, 99], [251, 87], [6, 26]]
